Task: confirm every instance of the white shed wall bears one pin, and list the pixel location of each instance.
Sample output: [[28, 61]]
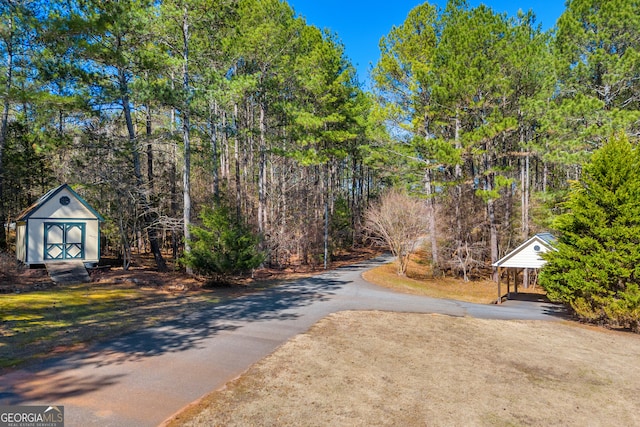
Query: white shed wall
[[53, 209], [21, 249], [36, 240], [527, 257]]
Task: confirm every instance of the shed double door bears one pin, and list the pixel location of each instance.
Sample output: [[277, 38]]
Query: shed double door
[[64, 240]]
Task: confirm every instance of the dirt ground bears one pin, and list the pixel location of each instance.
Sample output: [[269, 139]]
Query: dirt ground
[[375, 368], [142, 273]]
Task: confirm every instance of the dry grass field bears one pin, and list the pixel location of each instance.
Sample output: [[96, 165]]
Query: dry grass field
[[419, 281], [374, 369], [400, 369]]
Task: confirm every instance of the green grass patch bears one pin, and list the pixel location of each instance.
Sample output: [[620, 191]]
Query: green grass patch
[[36, 323]]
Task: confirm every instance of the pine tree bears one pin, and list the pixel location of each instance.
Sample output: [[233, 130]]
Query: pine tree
[[17, 32], [597, 50], [454, 85], [596, 269], [222, 245]]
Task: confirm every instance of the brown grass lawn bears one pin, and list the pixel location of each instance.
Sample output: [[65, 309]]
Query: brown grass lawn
[[419, 281], [399, 369], [392, 369], [357, 368]]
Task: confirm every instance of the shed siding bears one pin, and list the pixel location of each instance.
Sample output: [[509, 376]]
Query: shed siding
[[527, 257], [21, 253], [36, 239], [53, 209]]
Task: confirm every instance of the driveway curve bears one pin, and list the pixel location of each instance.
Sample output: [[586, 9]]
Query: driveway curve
[[143, 378]]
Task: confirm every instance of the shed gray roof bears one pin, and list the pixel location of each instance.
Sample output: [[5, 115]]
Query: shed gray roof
[[547, 237]]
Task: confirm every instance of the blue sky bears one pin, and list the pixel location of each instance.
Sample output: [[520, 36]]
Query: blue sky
[[361, 24]]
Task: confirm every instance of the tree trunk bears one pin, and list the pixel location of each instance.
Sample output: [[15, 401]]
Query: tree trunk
[[213, 111], [545, 176], [327, 198], [224, 150], [150, 217], [126, 245], [150, 177], [3, 136], [174, 178], [460, 238], [526, 182], [186, 171], [262, 174], [237, 168], [493, 228], [142, 195], [433, 232]]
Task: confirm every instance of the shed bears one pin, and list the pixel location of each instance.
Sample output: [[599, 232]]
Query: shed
[[525, 256], [60, 227]]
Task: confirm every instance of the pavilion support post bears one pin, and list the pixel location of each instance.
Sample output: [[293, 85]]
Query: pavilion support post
[[499, 300], [508, 285], [515, 279]]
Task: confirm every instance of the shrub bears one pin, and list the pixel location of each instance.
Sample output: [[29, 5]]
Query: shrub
[[399, 222], [222, 246]]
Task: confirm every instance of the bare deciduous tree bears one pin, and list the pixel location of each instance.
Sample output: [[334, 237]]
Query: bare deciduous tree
[[399, 222]]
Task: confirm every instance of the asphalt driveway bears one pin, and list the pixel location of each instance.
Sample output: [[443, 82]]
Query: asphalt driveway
[[143, 378]]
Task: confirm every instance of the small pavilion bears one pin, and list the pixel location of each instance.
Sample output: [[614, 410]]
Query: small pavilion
[[525, 256]]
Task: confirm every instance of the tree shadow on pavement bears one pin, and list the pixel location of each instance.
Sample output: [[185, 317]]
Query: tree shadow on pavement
[[44, 386], [53, 379], [543, 304]]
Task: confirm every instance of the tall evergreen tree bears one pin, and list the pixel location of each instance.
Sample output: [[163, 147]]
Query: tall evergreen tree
[[265, 105], [596, 268], [456, 82], [17, 32], [597, 49], [106, 39]]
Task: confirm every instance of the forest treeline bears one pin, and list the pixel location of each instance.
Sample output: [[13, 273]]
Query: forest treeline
[[156, 111], [494, 117]]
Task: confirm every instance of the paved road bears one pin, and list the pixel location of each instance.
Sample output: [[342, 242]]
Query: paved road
[[143, 378]]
